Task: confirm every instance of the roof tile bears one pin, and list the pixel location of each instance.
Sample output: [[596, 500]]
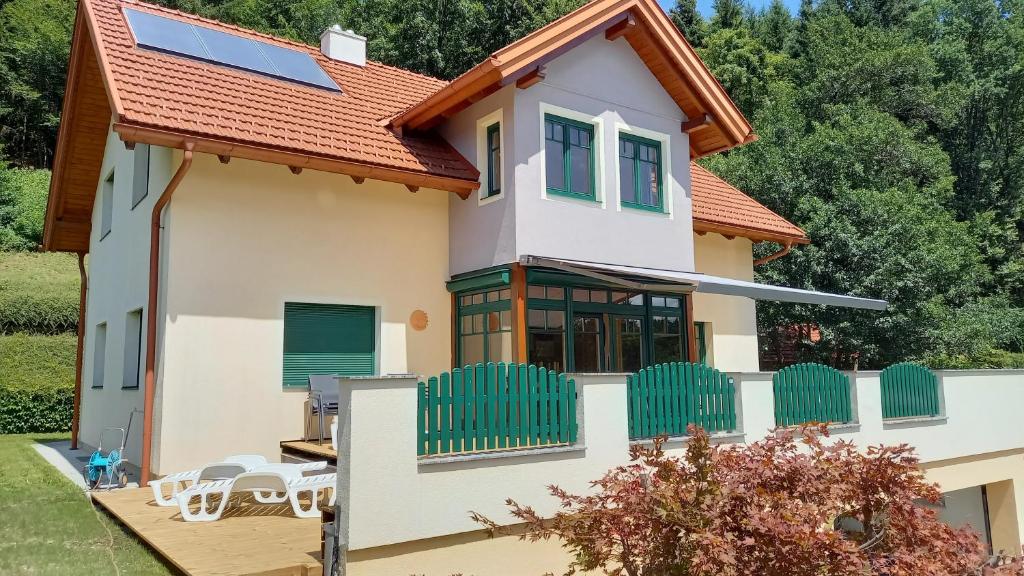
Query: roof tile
[[180, 94], [718, 202]]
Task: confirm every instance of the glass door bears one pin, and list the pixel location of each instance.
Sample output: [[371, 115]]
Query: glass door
[[588, 343], [627, 343]]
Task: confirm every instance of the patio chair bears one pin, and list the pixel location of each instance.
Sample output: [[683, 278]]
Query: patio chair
[[323, 400], [270, 484], [229, 468]]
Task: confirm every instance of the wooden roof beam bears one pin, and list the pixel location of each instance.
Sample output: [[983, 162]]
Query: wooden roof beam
[[697, 124], [532, 78], [622, 28]]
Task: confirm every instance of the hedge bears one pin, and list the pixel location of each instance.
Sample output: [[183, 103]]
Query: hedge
[[39, 293], [37, 380]]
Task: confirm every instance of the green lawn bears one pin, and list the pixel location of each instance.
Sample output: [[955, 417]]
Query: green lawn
[[48, 526]]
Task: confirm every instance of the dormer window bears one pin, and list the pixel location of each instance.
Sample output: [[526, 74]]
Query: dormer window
[[569, 157], [640, 183]]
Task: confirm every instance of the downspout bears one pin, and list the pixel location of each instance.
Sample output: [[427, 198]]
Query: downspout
[[151, 312], [774, 256], [77, 401]]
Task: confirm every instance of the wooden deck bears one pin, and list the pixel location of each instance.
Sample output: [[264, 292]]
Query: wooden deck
[[249, 539], [310, 450]]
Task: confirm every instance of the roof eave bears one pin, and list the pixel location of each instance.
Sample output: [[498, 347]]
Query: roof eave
[[463, 187], [754, 234]]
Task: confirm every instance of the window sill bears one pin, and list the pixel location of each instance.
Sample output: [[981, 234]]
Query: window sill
[[485, 200], [130, 387], [731, 437], [582, 198], [499, 454], [911, 420], [104, 235], [644, 209]]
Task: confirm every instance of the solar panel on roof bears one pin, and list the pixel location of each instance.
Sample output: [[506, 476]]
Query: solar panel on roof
[[177, 37]]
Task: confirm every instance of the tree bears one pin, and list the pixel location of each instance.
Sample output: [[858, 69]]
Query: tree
[[35, 43], [685, 16], [774, 26], [728, 14], [739, 62], [793, 504]]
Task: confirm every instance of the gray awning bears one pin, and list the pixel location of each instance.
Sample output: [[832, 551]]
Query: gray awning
[[684, 282]]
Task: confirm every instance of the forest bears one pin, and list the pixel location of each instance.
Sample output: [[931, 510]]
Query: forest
[[891, 131]]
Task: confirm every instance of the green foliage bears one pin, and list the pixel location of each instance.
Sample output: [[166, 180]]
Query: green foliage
[[37, 378], [39, 293], [23, 195], [685, 16], [35, 42]]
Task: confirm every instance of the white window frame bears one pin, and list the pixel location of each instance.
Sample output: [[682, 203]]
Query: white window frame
[[483, 151], [666, 172], [600, 198]]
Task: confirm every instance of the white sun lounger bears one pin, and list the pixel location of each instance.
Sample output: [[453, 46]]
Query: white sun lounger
[[228, 468], [270, 484]]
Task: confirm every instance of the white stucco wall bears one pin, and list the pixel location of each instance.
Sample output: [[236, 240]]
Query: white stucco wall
[[731, 321], [623, 97], [246, 237], [118, 267], [400, 498]]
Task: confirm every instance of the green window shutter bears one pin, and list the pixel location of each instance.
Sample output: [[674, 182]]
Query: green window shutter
[[327, 339]]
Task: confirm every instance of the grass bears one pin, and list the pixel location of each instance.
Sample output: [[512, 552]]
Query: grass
[[49, 526], [36, 361]]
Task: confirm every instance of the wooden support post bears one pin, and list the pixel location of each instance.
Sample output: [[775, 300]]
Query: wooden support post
[[358, 179], [224, 158], [691, 330], [518, 281], [295, 170], [412, 188]]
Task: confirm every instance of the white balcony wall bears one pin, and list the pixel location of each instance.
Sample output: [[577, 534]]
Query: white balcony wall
[[403, 498]]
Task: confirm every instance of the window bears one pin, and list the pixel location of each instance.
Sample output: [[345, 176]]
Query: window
[[493, 160], [668, 339], [327, 339], [99, 355], [640, 183], [107, 206], [569, 157], [132, 349], [140, 174], [547, 338], [700, 330], [485, 327]]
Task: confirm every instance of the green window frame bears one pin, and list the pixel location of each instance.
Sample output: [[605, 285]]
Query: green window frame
[[639, 156], [493, 160], [566, 140], [487, 315], [702, 344], [327, 339]]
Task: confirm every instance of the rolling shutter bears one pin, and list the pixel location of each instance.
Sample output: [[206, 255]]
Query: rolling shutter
[[327, 339]]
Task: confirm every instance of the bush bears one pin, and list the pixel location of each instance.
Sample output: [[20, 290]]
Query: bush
[[986, 359], [37, 380], [38, 293], [22, 207]]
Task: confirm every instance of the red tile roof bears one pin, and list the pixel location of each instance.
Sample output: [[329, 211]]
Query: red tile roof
[[182, 95], [719, 207]]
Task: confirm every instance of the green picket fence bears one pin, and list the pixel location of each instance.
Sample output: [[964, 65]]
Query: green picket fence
[[909, 390], [811, 393], [665, 398], [495, 406]]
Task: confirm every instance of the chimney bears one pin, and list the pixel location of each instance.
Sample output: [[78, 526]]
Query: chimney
[[344, 45]]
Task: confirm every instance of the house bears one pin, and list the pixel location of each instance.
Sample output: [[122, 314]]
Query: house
[[255, 211]]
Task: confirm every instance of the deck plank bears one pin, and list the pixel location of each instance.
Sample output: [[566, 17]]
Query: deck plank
[[249, 539], [310, 449]]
